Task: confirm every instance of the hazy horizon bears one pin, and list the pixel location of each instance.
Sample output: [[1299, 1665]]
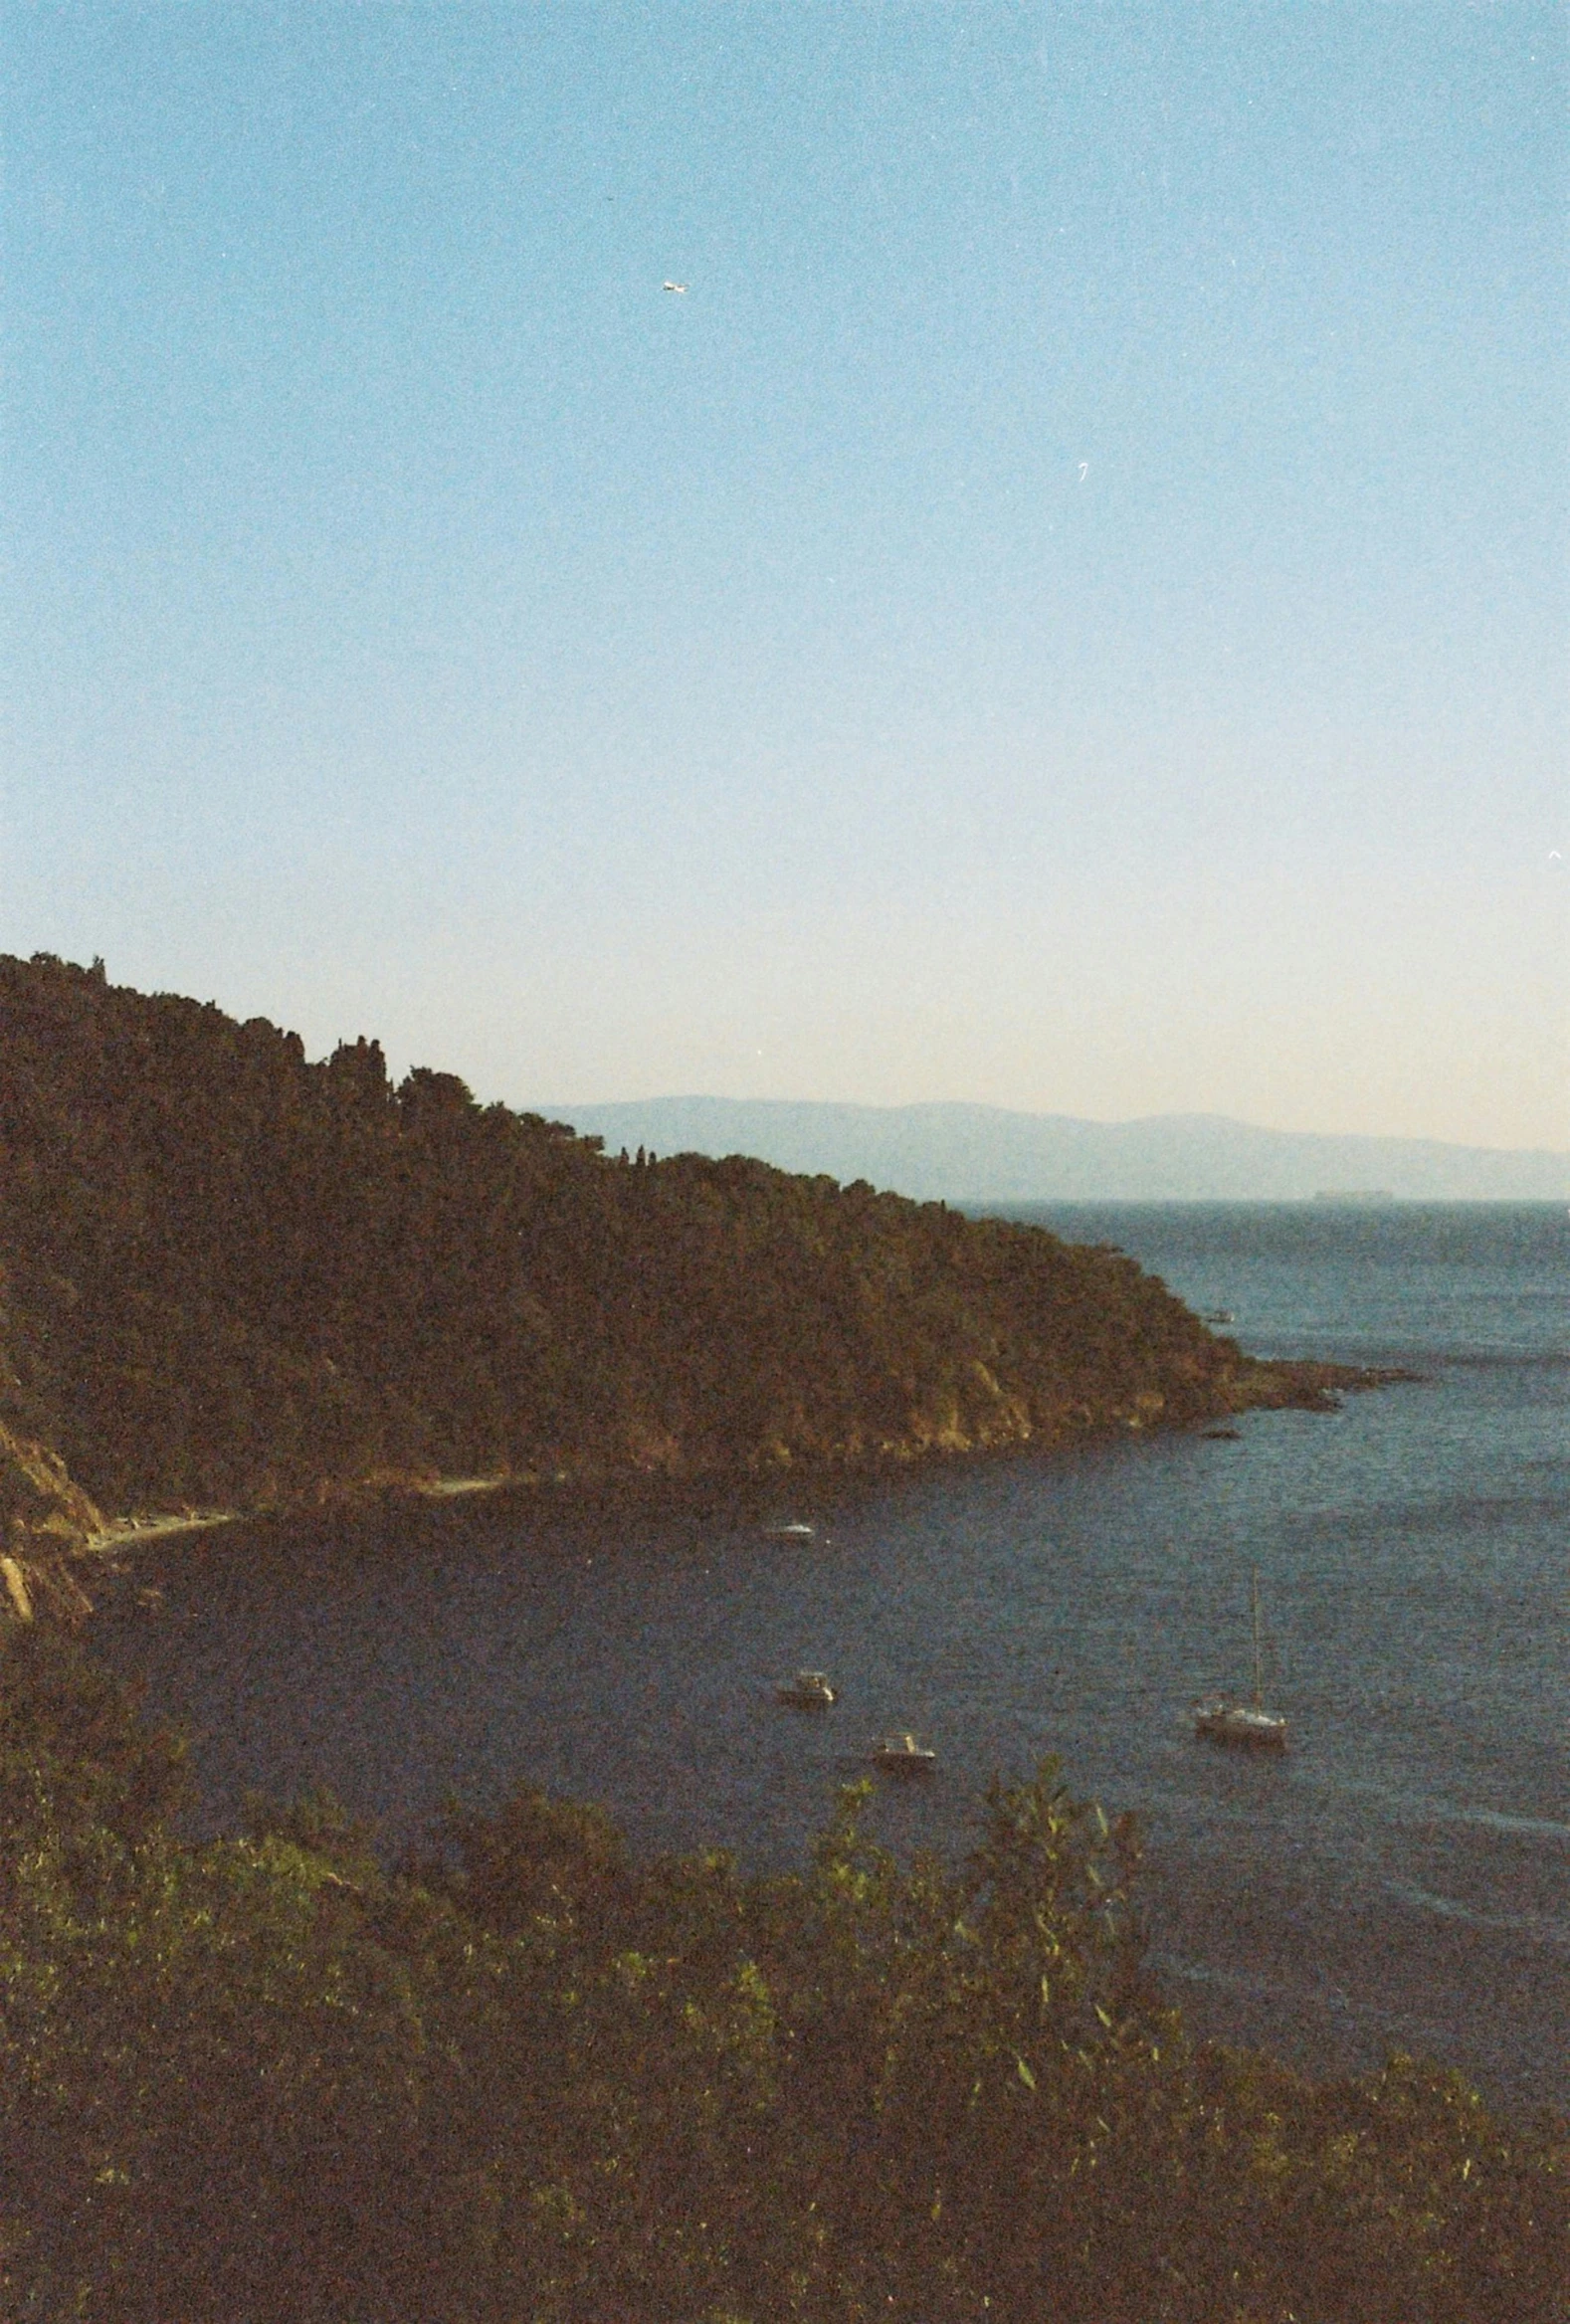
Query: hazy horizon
[[1064, 610], [565, 1106], [943, 1149]]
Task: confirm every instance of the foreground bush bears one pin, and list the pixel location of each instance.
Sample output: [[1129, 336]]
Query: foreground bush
[[530, 2082]]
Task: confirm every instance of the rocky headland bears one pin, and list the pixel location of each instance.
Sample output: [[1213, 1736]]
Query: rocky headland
[[235, 1280]]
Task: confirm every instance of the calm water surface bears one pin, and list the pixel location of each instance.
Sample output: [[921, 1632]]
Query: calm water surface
[[1402, 1878]]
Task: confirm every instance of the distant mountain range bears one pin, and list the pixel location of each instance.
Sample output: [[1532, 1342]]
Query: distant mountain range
[[984, 1153]]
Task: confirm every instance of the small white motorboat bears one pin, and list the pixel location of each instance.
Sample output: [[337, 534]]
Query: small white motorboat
[[903, 1755], [796, 1531], [808, 1690]]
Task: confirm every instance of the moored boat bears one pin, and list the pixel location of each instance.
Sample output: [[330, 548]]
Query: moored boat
[[1225, 1721], [1225, 1718], [808, 1690], [903, 1755]]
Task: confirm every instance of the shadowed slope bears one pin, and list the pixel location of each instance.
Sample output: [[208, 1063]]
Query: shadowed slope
[[231, 1273]]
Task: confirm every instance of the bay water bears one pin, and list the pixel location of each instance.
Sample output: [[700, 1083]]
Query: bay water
[[1400, 1878]]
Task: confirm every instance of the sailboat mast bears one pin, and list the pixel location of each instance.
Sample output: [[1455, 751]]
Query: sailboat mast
[[1259, 1667]]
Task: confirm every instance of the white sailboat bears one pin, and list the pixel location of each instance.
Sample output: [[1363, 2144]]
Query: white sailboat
[[1225, 1718]]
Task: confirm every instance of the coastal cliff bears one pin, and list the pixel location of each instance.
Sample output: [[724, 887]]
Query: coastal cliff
[[44, 1520], [234, 1276]]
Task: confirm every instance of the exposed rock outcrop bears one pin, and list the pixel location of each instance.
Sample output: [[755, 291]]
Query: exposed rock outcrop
[[46, 1520]]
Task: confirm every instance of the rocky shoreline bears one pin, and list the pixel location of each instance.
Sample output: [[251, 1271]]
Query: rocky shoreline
[[57, 1538], [1314, 1387]]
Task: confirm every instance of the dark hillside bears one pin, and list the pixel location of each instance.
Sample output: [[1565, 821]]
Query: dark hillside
[[232, 1274]]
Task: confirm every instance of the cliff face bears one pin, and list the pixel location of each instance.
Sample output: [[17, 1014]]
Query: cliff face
[[44, 1519], [231, 1276]]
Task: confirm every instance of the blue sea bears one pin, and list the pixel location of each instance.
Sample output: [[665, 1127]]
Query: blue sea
[[1401, 1878]]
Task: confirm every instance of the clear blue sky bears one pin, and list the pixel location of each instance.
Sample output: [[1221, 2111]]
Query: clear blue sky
[[1067, 609]]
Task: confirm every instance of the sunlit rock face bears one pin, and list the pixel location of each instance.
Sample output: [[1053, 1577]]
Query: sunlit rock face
[[45, 1519]]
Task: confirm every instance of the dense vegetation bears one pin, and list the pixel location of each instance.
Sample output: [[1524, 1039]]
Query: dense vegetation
[[530, 2082], [524, 2079], [230, 1273]]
